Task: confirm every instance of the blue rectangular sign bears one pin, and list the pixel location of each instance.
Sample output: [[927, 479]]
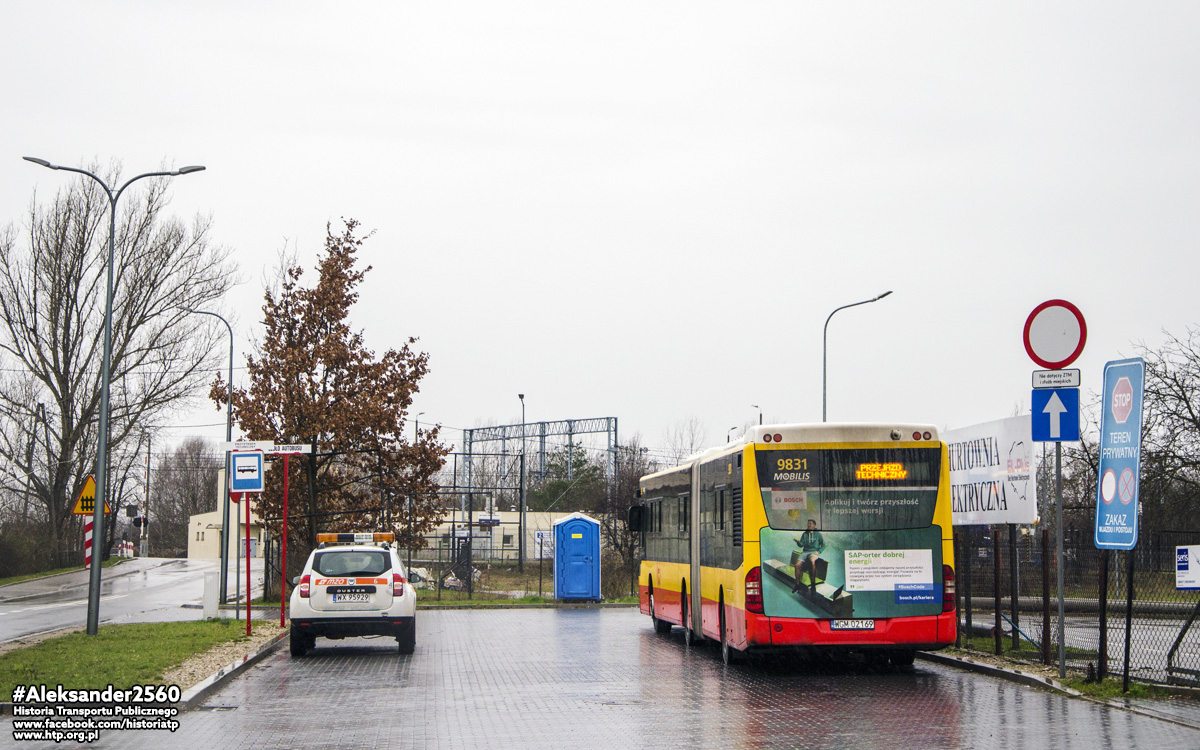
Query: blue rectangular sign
[[1120, 454], [247, 472], [1055, 415]]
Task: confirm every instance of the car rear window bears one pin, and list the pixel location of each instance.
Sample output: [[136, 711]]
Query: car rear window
[[352, 563]]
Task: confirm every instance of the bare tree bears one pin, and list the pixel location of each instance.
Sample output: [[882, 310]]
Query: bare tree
[[685, 437], [1172, 404], [52, 300], [619, 541], [184, 484]]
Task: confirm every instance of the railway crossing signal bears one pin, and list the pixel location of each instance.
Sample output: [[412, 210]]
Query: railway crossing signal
[[85, 504]]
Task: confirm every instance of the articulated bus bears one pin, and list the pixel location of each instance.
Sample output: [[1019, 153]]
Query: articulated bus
[[824, 536]]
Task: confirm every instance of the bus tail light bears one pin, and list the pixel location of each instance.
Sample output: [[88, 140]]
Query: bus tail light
[[304, 587], [947, 588], [397, 584], [754, 600]]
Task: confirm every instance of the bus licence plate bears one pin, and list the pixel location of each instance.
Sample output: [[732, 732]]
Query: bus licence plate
[[851, 624], [351, 598]]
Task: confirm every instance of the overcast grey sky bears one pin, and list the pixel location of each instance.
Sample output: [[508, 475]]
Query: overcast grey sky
[[647, 210]]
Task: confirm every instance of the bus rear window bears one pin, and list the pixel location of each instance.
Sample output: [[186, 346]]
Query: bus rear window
[[849, 489]]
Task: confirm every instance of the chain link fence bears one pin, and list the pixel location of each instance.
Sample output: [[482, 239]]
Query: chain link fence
[[1007, 588]]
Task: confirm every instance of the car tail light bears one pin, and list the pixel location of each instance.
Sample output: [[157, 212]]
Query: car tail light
[[304, 587], [397, 584], [754, 600], [947, 588]]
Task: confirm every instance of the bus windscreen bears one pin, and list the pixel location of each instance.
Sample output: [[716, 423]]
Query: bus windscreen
[[849, 489]]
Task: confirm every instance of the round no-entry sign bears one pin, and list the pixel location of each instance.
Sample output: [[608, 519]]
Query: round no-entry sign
[[1055, 334]]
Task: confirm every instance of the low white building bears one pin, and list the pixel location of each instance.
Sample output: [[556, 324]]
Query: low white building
[[204, 529]]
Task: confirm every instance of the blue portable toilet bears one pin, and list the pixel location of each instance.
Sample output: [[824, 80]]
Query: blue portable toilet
[[577, 558]]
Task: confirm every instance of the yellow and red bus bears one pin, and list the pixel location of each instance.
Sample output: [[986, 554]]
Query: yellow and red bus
[[834, 536]]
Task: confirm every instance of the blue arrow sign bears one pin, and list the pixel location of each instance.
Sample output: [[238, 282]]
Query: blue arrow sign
[[1120, 454], [1055, 415]]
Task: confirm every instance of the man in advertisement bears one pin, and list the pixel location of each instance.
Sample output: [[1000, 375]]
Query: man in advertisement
[[811, 544]]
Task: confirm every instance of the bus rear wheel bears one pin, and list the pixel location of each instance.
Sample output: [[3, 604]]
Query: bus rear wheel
[[729, 654], [903, 657]]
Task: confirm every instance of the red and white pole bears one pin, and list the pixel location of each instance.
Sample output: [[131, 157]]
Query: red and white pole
[[246, 502], [283, 600], [87, 543]]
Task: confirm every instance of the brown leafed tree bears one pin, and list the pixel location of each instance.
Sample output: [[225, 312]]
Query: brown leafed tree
[[313, 381]]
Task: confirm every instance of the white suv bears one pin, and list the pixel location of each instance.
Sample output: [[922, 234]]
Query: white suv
[[356, 588]]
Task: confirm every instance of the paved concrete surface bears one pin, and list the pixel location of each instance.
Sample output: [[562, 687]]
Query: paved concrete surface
[[602, 679]]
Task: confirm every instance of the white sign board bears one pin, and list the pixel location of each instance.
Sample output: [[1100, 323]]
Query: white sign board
[[1187, 568], [907, 572], [1056, 378], [992, 475], [543, 545], [248, 445]]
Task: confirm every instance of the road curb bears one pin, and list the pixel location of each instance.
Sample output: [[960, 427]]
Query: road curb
[[193, 696], [1012, 675], [1032, 680]]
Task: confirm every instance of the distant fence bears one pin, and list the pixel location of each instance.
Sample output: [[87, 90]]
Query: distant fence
[[991, 561]]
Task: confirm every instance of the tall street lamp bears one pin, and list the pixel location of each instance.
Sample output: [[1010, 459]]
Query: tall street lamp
[[825, 343], [93, 613], [521, 535], [228, 439], [756, 406]]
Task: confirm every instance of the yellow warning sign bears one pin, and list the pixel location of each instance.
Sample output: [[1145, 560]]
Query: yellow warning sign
[[85, 504]]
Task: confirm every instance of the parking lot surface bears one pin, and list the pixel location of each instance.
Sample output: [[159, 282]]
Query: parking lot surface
[[580, 679]]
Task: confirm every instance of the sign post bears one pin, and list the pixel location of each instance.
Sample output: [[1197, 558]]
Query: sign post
[[287, 451], [1120, 470], [1055, 333], [247, 477]]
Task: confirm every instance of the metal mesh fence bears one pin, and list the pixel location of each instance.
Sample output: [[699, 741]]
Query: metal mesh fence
[[1021, 570]]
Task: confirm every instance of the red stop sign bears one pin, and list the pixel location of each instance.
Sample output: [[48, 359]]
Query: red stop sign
[[1122, 400]]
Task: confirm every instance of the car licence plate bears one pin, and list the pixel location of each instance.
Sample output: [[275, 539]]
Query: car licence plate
[[851, 624], [338, 598]]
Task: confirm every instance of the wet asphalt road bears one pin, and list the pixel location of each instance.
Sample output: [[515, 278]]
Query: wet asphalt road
[[137, 590], [602, 679]]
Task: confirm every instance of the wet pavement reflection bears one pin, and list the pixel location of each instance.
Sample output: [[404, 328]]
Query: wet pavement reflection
[[603, 678]]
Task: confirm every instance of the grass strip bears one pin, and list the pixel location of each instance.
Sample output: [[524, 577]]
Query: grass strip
[[1111, 688], [120, 655]]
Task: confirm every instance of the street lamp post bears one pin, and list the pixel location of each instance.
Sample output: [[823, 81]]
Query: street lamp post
[[521, 536], [756, 406], [93, 613], [228, 439], [825, 343], [144, 531]]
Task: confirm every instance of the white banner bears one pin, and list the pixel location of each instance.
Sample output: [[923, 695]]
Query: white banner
[[992, 474], [889, 569], [1187, 568]]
